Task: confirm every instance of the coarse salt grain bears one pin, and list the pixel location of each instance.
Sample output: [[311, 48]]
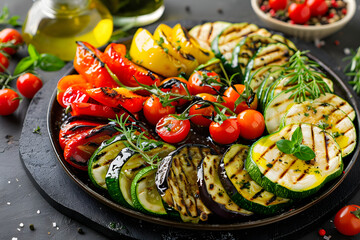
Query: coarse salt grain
[[9, 182], [347, 51], [54, 224], [19, 229], [21, 225], [38, 211], [14, 238], [8, 203]]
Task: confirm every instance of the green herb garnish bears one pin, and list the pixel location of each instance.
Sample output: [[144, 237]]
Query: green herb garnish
[[353, 70], [295, 147], [5, 17], [37, 130]]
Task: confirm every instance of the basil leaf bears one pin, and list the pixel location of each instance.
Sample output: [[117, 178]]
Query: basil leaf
[[50, 62], [305, 153], [27, 63], [285, 146], [297, 136], [32, 52]]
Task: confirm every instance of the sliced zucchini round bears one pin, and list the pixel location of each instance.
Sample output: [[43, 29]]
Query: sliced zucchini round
[[101, 159], [287, 176], [242, 189], [338, 102], [328, 117], [144, 193]]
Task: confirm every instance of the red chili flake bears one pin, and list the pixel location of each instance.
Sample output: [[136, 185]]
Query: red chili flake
[[334, 3], [272, 12], [336, 42], [322, 232], [331, 15], [263, 8], [344, 11], [343, 171]]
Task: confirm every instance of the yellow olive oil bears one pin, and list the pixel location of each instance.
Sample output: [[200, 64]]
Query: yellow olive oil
[[54, 26]]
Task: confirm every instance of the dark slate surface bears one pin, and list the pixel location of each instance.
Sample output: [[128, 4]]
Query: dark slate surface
[[20, 200]]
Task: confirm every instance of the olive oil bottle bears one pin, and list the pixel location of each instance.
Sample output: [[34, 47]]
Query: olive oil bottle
[[53, 26]]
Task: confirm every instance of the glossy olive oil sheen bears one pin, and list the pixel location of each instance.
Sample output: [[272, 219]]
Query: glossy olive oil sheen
[[57, 31]]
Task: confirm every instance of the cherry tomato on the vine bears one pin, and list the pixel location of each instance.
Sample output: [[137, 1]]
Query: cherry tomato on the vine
[[347, 220], [225, 133], [9, 101], [175, 85], [317, 7], [203, 81], [230, 97], [9, 34], [278, 4], [172, 130], [299, 13], [154, 110], [28, 84], [251, 123], [4, 62], [197, 109]]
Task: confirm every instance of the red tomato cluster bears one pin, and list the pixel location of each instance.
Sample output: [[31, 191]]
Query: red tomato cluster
[[28, 84]]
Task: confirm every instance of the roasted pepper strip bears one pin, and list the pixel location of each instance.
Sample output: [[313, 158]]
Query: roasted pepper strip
[[66, 82], [117, 98], [75, 93], [69, 130], [146, 52], [80, 148], [96, 110], [125, 70], [88, 63]]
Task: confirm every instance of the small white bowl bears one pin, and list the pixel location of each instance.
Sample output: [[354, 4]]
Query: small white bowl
[[307, 33]]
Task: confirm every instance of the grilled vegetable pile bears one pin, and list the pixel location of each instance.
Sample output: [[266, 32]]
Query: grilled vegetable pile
[[225, 120]]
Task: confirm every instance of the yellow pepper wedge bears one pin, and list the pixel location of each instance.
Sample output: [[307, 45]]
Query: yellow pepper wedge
[[146, 52], [190, 45], [163, 35]]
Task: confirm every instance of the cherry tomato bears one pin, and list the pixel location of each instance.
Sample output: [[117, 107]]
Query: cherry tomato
[[347, 220], [225, 133], [251, 123], [154, 110], [175, 85], [9, 34], [28, 84], [230, 97], [299, 13], [75, 93], [317, 7], [9, 101], [172, 130], [202, 81], [207, 111], [278, 4], [4, 62]]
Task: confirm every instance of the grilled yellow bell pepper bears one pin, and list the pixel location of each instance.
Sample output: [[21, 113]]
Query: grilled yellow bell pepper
[[146, 52], [189, 45]]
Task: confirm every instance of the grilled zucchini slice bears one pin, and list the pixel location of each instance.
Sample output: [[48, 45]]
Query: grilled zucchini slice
[[101, 159], [242, 189], [339, 103], [213, 193], [287, 176], [176, 181], [328, 117]]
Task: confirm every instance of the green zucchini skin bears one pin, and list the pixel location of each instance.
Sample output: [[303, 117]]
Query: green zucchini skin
[[293, 165], [213, 194], [146, 198], [99, 162], [243, 190]]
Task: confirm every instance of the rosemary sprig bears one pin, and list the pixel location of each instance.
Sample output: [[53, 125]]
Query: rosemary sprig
[[137, 141], [307, 82], [353, 70]]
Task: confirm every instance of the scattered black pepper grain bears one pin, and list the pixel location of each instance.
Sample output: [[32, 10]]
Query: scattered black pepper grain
[[220, 11], [31, 226], [187, 9], [80, 231]]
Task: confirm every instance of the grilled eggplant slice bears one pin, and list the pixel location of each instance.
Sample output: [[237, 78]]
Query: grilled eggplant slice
[[242, 189], [207, 32], [176, 180], [100, 161], [212, 192], [287, 176], [328, 117]]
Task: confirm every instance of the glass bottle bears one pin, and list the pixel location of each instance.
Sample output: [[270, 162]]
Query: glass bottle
[[53, 26]]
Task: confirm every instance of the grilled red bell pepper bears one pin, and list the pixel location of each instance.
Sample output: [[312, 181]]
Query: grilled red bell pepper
[[88, 63], [126, 70], [75, 93], [80, 148], [66, 82], [118, 97], [69, 130], [96, 110]]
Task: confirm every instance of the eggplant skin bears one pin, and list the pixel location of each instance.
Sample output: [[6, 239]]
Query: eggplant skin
[[218, 208], [176, 181]]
